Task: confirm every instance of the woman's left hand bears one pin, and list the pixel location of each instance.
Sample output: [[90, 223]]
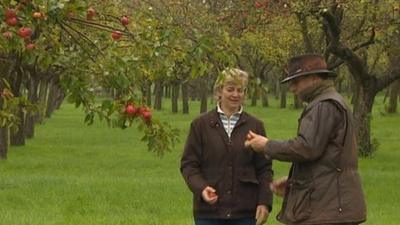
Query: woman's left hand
[[261, 214]]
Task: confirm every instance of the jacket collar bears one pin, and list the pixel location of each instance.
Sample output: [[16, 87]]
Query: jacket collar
[[313, 92], [214, 120], [219, 110]]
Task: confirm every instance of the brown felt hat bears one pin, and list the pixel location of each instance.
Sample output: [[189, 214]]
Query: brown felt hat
[[303, 65]]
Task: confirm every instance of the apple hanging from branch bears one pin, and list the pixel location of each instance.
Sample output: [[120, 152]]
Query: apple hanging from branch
[[116, 35], [131, 110], [125, 20], [12, 21], [24, 32], [37, 15], [10, 13]]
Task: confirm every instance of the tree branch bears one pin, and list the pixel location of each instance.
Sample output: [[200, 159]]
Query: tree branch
[[384, 81], [370, 41]]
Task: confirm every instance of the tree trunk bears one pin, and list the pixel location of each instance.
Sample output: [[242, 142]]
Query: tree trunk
[[203, 95], [51, 99], [60, 97], [158, 89], [29, 125], [297, 102], [368, 84], [3, 142], [167, 91], [17, 138], [175, 97], [283, 98], [254, 96], [356, 93], [30, 117], [339, 86], [193, 91], [3, 132], [264, 98], [362, 121], [277, 91], [43, 89], [185, 98], [148, 93], [394, 94]]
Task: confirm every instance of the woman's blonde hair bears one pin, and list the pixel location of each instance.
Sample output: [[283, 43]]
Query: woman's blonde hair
[[230, 76]]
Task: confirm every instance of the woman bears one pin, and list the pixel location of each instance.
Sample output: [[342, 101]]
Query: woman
[[229, 182]]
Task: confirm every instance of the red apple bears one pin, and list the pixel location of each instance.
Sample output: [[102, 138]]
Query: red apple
[[116, 35], [146, 115], [8, 35], [12, 21], [10, 13], [37, 15], [90, 13], [24, 32], [30, 46], [131, 110], [125, 20]]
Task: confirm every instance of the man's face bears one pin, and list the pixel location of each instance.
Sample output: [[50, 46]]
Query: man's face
[[300, 84]]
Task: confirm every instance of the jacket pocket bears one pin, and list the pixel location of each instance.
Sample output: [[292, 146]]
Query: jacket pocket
[[247, 191], [299, 201]]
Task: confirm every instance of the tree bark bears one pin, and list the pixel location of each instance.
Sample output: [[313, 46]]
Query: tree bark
[[30, 117], [203, 95], [264, 98], [362, 116], [194, 93], [17, 138], [185, 98], [394, 94], [51, 99], [3, 142], [254, 96], [3, 134], [60, 98], [43, 89], [148, 93], [297, 102], [158, 89], [167, 90], [175, 97], [283, 98]]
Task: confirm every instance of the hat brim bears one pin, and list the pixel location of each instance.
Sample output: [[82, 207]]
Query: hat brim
[[294, 76]]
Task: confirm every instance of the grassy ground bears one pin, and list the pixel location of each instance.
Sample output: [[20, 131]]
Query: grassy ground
[[73, 174]]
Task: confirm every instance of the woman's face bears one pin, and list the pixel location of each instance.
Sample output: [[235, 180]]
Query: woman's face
[[231, 96]]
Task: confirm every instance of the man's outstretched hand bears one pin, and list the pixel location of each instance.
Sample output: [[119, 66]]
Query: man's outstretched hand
[[256, 142]]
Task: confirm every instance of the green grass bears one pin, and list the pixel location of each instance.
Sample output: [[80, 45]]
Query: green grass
[[73, 174]]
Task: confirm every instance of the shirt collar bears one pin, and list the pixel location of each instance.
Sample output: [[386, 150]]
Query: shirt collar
[[219, 110]]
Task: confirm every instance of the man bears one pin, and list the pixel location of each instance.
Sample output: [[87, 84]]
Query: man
[[323, 186]]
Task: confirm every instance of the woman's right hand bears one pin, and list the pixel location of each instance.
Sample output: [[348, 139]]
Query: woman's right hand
[[209, 195], [278, 186]]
